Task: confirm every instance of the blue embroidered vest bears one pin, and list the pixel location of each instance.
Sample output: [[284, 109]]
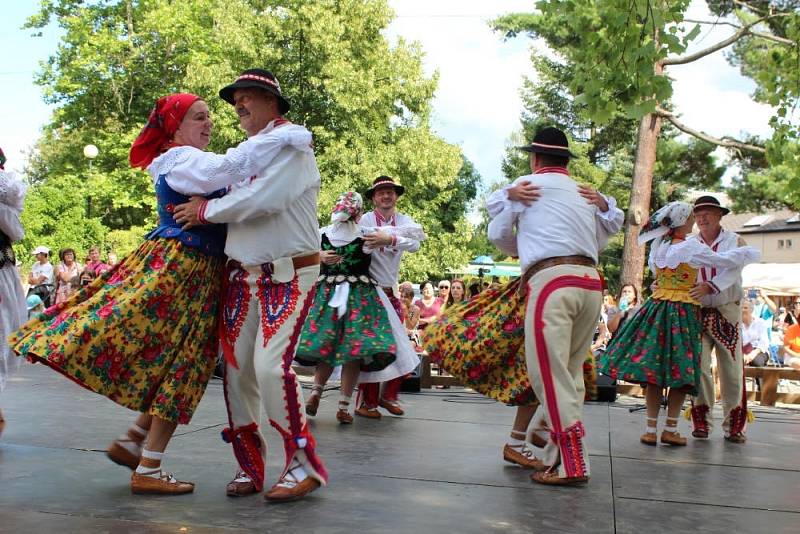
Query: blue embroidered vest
[[209, 239]]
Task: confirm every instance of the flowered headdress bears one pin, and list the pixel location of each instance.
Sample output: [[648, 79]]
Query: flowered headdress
[[664, 222], [348, 206]]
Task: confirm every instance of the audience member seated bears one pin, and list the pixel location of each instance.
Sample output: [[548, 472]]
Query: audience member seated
[[755, 337], [791, 345]]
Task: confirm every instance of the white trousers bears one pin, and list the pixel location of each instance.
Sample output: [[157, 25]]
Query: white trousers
[[730, 366], [262, 321], [563, 304]]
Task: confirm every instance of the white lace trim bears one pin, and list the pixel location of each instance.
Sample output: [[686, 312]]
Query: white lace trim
[[12, 190]]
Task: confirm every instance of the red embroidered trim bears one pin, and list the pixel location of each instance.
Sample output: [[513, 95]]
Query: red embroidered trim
[[201, 212], [245, 442], [720, 329], [234, 311], [298, 436], [258, 78], [277, 301], [571, 457], [570, 444], [738, 416], [559, 170], [699, 414]]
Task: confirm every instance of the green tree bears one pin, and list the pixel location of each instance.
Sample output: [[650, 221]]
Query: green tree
[[607, 150], [620, 49], [366, 102]]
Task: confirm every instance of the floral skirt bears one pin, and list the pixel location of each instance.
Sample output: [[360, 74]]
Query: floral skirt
[[143, 334], [362, 333], [660, 345], [482, 343]]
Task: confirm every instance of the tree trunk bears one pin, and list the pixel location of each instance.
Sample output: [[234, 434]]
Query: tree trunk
[[639, 210]]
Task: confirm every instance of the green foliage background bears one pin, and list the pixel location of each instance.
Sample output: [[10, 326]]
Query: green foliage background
[[366, 102]]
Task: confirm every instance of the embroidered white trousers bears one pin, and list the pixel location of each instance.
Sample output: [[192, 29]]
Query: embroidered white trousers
[[263, 319], [730, 367], [563, 304]]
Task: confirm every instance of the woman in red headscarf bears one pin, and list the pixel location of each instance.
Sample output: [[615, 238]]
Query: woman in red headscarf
[[144, 334]]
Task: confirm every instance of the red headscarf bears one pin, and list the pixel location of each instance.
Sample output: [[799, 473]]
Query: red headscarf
[[164, 121]]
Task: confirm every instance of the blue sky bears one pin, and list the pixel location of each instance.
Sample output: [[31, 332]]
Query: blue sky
[[473, 64]]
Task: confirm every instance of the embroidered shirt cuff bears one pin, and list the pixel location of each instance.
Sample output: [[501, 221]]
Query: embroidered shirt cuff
[[201, 212]]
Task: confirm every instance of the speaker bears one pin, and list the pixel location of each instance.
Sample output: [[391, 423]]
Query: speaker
[[411, 383], [606, 388]]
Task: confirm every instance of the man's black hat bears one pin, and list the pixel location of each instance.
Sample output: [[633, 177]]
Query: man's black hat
[[384, 181], [551, 141], [263, 79], [709, 201]]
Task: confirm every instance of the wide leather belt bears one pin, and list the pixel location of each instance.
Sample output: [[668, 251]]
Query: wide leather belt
[[557, 260], [298, 262]]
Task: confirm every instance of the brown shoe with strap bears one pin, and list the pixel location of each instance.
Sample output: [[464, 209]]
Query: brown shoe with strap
[[163, 484], [393, 407], [120, 455], [736, 438], [551, 478], [240, 486], [312, 404], [343, 413], [290, 489], [671, 437], [649, 438], [369, 413], [521, 455]]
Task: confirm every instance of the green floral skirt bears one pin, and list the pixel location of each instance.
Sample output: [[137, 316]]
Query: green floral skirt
[[363, 333], [660, 345]]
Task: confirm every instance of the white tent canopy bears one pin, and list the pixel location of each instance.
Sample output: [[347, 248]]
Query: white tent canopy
[[775, 278]]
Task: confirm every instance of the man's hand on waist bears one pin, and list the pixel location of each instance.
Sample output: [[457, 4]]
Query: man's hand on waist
[[701, 290], [188, 214]]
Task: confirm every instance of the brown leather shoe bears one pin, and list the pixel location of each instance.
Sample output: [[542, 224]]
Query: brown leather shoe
[[312, 404], [393, 407], [286, 491], [122, 456], [344, 417], [699, 433], [551, 478], [649, 438], [369, 413], [165, 484], [736, 438], [673, 438], [240, 488], [523, 457]]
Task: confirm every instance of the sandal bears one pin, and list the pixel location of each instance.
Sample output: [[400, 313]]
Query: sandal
[[312, 404]]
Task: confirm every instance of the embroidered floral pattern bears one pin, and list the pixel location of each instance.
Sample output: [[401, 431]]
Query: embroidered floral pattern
[[481, 342], [660, 344], [142, 334], [277, 303]]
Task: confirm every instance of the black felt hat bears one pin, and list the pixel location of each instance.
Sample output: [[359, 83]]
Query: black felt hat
[[707, 201], [260, 78], [384, 181], [551, 141]]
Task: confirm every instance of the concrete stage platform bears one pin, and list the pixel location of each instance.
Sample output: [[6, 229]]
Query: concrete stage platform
[[439, 469]]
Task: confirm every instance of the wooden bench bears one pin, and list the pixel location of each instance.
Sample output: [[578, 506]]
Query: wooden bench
[[767, 396], [769, 377]]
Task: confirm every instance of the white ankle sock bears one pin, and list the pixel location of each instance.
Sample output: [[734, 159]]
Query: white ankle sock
[[515, 441], [652, 426], [139, 430], [150, 471], [344, 402], [126, 442]]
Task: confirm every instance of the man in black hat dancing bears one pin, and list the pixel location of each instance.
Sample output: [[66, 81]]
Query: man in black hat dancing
[[385, 269], [558, 239], [719, 292], [273, 250]]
